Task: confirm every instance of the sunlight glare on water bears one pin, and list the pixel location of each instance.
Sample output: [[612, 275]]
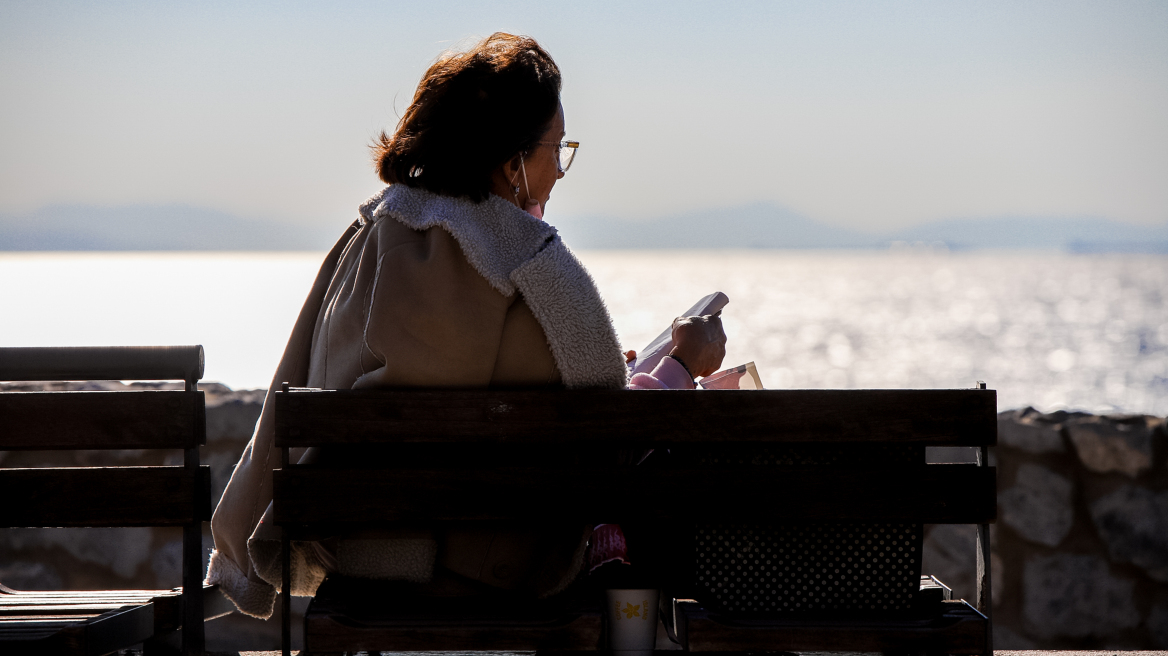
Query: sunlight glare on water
[[1044, 329], [239, 306]]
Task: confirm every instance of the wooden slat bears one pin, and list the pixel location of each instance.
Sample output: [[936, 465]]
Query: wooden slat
[[32, 636], [149, 419], [103, 496], [92, 621], [102, 363], [31, 599], [39, 623], [5, 590], [119, 629], [934, 494], [95, 635], [326, 633], [956, 629], [351, 615], [7, 594], [64, 609], [49, 616], [658, 418]]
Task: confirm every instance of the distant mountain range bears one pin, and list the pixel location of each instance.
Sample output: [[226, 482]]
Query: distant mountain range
[[767, 226], [154, 228], [181, 227]]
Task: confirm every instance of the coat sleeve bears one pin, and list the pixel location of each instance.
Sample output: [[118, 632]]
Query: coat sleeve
[[249, 491], [431, 319]]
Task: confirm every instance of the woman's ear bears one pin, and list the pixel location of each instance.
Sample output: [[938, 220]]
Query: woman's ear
[[506, 178], [511, 170]]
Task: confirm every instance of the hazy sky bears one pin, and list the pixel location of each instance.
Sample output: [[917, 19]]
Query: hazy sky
[[867, 115]]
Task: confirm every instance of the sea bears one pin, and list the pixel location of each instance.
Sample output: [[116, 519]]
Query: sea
[[1045, 329]]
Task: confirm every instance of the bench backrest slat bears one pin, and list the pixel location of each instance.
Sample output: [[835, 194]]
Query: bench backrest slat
[[937, 494], [102, 363], [102, 420], [659, 418], [103, 496]]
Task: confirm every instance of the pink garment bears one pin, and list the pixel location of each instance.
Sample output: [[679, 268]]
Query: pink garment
[[607, 546], [668, 374]]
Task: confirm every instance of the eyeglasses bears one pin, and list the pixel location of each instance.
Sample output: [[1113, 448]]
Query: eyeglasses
[[565, 152]]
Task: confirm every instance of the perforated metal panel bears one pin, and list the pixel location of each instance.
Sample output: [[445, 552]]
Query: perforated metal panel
[[757, 568], [795, 568]]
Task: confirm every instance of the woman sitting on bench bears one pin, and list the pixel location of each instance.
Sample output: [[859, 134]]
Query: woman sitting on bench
[[449, 278]]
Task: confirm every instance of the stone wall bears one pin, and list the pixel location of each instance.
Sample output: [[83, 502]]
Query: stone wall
[[1080, 551]]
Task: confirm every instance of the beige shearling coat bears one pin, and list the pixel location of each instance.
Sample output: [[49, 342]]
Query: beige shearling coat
[[430, 291]]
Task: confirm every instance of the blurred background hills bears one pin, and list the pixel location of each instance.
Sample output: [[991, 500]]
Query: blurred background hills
[[758, 225]]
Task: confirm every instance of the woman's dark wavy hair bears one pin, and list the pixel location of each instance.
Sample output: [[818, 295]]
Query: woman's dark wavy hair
[[472, 112]]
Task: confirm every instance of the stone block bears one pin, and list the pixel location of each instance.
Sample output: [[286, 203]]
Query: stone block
[[25, 575], [1031, 431], [1075, 596], [1157, 624], [1133, 522], [222, 467], [997, 577], [948, 554], [233, 417], [121, 550], [167, 564], [1007, 638], [1114, 443], [1038, 506]]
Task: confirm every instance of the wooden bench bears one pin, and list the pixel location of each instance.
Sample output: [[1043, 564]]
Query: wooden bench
[[99, 622], [315, 501]]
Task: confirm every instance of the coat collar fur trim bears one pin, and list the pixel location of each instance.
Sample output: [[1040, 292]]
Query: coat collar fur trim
[[515, 251]]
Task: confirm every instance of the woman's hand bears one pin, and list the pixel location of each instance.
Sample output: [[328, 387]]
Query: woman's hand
[[700, 343]]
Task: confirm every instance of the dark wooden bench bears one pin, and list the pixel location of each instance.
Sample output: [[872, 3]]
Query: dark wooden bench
[[99, 622], [315, 501]]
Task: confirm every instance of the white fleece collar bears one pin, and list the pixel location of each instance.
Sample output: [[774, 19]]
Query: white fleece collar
[[515, 251]]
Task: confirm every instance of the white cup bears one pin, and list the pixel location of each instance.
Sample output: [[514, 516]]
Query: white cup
[[632, 621]]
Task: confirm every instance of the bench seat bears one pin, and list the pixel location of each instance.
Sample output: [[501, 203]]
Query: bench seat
[[75, 621], [45, 622], [355, 614], [956, 628], [948, 626]]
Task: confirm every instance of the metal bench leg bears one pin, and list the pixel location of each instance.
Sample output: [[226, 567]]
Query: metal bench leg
[[286, 594], [285, 577], [193, 639], [984, 578]]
